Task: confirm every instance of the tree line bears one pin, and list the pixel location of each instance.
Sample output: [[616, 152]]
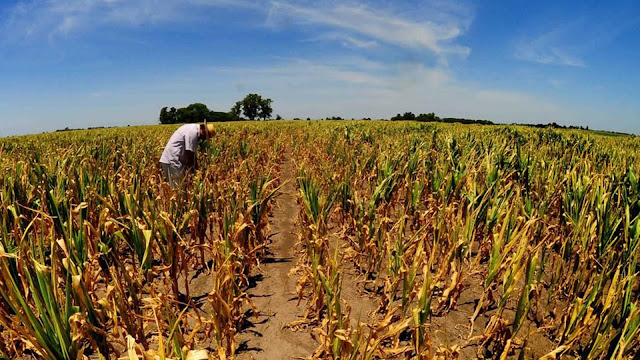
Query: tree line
[[253, 107], [555, 126], [431, 117]]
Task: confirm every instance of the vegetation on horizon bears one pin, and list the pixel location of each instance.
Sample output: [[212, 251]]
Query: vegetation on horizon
[[252, 106]]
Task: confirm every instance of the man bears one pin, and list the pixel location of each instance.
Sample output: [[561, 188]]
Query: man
[[179, 155]]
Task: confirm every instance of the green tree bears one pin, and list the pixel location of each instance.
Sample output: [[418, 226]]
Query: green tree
[[222, 116], [197, 112], [409, 116], [427, 117], [193, 113], [165, 116], [173, 115], [236, 110], [405, 116], [169, 116], [265, 109], [253, 106]]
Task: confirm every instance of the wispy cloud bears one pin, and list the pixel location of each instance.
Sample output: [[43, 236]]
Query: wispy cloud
[[29, 19], [555, 55], [318, 87], [387, 25], [351, 40], [576, 36], [433, 26], [555, 47], [345, 40], [359, 89], [308, 73]]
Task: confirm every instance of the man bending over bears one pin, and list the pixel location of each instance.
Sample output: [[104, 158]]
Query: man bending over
[[179, 156]]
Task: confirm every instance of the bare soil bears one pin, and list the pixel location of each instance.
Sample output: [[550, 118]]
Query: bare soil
[[273, 291]]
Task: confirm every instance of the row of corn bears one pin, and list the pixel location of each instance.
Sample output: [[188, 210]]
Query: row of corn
[[97, 252], [530, 236]]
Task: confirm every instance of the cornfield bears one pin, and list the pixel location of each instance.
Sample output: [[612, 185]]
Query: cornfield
[[467, 241]]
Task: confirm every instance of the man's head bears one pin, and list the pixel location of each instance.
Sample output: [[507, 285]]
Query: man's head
[[207, 131]]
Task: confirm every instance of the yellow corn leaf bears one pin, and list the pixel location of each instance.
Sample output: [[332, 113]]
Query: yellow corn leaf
[[613, 289], [554, 353], [198, 355], [131, 348]]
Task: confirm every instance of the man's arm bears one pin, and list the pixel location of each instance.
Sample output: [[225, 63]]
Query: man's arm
[[191, 146]]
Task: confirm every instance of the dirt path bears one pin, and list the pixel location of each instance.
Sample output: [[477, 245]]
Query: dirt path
[[274, 292]]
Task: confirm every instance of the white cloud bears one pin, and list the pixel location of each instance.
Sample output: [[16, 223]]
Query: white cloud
[[346, 40], [541, 51], [559, 45], [350, 87], [384, 25], [432, 25], [350, 40], [569, 38], [315, 88], [51, 18], [574, 38], [306, 74]]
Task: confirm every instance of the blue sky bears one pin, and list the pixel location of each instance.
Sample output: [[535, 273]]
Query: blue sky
[[80, 63]]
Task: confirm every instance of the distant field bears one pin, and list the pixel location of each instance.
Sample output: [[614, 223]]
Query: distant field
[[608, 133], [331, 239]]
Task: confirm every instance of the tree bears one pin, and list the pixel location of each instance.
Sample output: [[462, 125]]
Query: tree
[[250, 105], [409, 116], [193, 113], [253, 106], [236, 110], [173, 114], [406, 116], [222, 116], [168, 116], [265, 109], [165, 117], [427, 117]]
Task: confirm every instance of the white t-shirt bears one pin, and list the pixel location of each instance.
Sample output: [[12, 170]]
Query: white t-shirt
[[185, 138]]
